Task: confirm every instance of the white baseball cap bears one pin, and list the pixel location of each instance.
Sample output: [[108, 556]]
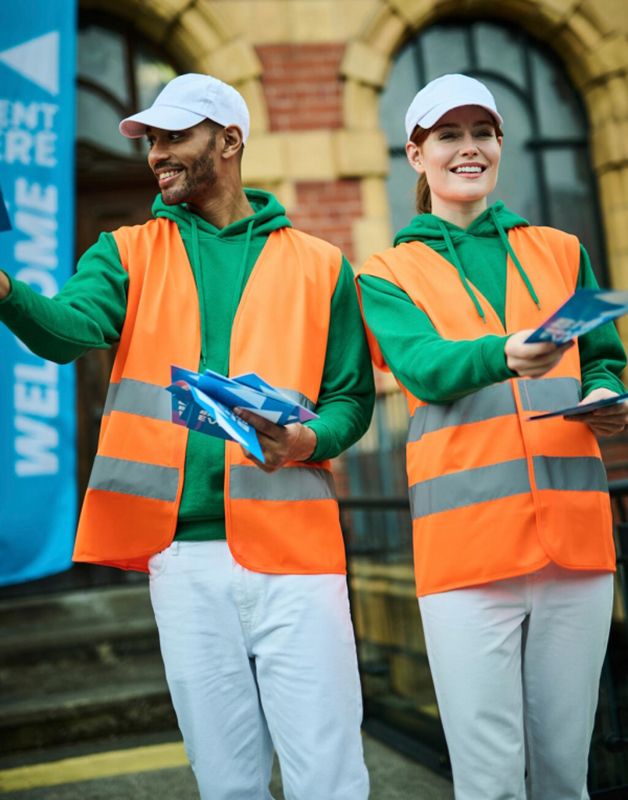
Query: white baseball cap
[[187, 100], [442, 94]]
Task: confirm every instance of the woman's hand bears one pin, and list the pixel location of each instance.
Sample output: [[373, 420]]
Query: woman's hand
[[535, 359], [280, 444], [607, 421]]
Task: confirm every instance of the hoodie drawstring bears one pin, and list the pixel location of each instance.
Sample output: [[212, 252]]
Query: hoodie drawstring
[[239, 284], [238, 287], [196, 259], [456, 262], [504, 239]]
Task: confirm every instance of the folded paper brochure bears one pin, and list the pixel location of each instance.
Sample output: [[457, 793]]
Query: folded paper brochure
[[587, 408], [581, 313], [205, 401], [5, 222]]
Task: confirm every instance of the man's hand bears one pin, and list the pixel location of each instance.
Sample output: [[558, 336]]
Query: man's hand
[[5, 285], [607, 421], [294, 442], [535, 359]]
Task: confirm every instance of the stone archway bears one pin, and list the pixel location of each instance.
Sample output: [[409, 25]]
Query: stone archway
[[583, 34]]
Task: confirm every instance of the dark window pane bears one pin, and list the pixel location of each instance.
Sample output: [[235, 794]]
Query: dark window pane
[[151, 75], [517, 185], [444, 50], [397, 96], [570, 204], [490, 39], [101, 60], [97, 122], [559, 113], [128, 74]]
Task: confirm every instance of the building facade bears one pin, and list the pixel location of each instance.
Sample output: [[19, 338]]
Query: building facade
[[327, 83]]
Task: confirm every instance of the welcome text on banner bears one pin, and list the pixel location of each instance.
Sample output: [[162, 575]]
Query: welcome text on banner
[[37, 402]]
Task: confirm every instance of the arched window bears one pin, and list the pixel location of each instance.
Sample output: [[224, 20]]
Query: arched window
[[118, 74], [545, 173]]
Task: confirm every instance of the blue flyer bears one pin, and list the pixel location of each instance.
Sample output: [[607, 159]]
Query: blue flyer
[[585, 310], [587, 408], [205, 401], [5, 222]]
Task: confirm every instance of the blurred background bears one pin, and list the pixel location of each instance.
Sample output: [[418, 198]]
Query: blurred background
[[327, 83]]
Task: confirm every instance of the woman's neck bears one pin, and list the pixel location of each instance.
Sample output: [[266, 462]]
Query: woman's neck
[[460, 214]]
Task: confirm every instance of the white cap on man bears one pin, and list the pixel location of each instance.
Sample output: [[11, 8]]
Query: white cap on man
[[187, 100], [445, 93]]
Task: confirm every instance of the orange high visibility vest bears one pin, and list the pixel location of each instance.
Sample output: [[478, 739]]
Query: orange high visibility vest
[[284, 522], [493, 495]]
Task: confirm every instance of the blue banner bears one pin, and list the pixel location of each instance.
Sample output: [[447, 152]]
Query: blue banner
[[37, 402]]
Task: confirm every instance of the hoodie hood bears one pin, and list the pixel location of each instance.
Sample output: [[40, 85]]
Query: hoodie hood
[[449, 239], [269, 216], [429, 229]]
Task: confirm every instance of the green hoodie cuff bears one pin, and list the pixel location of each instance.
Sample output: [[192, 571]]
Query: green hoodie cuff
[[324, 439], [494, 359], [609, 382]]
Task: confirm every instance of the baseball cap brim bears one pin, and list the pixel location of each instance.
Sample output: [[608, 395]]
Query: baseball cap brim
[[434, 114], [169, 118]]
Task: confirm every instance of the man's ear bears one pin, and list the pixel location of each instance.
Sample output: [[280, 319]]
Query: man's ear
[[232, 141]]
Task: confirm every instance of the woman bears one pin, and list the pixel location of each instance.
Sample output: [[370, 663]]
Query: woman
[[512, 525]]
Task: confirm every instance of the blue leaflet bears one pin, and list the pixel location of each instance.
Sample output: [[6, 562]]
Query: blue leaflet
[[5, 222], [587, 408], [584, 311], [204, 402]]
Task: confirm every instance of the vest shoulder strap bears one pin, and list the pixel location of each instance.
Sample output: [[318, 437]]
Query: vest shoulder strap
[[139, 239]]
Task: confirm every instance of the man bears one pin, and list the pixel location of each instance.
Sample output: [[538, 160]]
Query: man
[[246, 560]]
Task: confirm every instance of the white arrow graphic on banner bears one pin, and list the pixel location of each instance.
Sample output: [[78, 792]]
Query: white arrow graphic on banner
[[37, 60]]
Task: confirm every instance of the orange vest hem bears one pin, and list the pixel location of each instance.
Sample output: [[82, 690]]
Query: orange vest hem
[[266, 570], [452, 586]]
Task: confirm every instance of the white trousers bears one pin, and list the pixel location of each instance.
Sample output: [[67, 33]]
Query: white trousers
[[254, 660], [516, 666]]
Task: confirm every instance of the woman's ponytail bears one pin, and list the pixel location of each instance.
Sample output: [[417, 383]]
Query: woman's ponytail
[[423, 196]]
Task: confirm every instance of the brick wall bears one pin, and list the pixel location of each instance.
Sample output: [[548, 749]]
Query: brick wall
[[302, 86], [303, 92], [327, 209]]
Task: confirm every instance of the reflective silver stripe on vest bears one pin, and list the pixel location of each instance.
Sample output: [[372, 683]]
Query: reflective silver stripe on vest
[[290, 483], [468, 487], [576, 474], [138, 397], [549, 394], [542, 394], [133, 477], [298, 398], [493, 401]]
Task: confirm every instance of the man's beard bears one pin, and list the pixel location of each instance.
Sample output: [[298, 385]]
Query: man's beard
[[199, 180]]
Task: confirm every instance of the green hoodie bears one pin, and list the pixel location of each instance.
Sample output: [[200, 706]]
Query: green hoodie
[[89, 313], [440, 370]]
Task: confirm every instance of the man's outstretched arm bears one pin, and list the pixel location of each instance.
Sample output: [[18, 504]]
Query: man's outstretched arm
[[87, 313]]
